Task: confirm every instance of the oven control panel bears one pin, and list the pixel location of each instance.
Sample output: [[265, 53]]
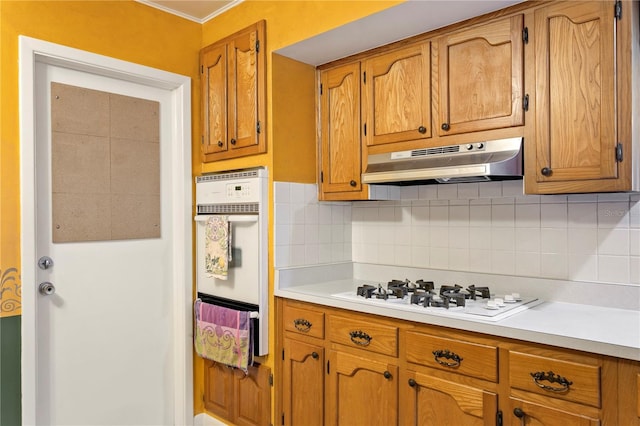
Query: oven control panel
[[238, 191]]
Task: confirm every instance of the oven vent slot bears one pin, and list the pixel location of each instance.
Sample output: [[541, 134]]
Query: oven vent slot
[[228, 208], [242, 174], [434, 151]]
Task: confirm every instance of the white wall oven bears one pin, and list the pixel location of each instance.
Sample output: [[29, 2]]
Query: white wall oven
[[231, 248]]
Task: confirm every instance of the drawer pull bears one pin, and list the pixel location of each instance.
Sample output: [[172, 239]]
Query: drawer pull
[[315, 355], [387, 375], [412, 383], [447, 354], [551, 377], [360, 338], [302, 324]]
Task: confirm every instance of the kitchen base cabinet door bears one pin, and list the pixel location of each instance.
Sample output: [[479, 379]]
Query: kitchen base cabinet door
[[629, 393], [303, 383], [431, 401], [362, 391], [532, 414], [218, 389]]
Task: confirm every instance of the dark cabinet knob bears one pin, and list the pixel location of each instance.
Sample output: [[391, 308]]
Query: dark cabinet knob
[[412, 383], [387, 375], [546, 171], [353, 183], [518, 413], [220, 144], [233, 141], [422, 129], [445, 126], [315, 355]]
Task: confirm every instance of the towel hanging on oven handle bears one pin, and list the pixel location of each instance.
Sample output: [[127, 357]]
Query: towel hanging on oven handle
[[232, 218]]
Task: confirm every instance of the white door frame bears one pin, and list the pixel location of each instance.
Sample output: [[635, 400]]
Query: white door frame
[[32, 51]]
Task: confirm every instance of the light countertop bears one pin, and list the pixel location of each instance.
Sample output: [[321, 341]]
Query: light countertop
[[597, 329]]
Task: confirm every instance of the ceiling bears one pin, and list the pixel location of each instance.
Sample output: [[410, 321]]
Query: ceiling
[[195, 10]]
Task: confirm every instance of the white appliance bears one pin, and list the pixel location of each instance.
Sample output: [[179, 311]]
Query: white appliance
[[242, 196]]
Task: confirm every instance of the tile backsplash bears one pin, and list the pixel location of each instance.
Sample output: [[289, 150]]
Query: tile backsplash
[[477, 227]]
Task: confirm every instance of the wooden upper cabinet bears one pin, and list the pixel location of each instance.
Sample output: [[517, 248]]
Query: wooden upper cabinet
[[341, 150], [480, 77], [397, 95], [234, 95], [575, 92]]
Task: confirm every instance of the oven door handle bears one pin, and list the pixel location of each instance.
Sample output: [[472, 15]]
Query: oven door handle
[[240, 218]]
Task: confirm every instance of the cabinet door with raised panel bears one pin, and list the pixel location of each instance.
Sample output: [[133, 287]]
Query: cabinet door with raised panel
[[480, 77], [397, 95], [341, 148], [431, 401], [575, 91], [214, 98], [303, 383], [362, 391], [629, 392]]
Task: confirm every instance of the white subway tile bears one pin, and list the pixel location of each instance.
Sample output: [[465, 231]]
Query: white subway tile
[[512, 188], [324, 214], [503, 262], [480, 215], [527, 240], [386, 254], [503, 238], [282, 214], [297, 193], [402, 236], [613, 196], [613, 215], [311, 254], [503, 200], [311, 214], [614, 242], [459, 259], [553, 199], [420, 215], [613, 269], [409, 192], [480, 260], [583, 267], [439, 258], [402, 215], [480, 238], [311, 193], [553, 215], [394, 192], [386, 215], [554, 265], [459, 215], [281, 192], [428, 192], [420, 236], [370, 254], [439, 215], [553, 240], [420, 257], [448, 191], [439, 236], [282, 235], [528, 264], [370, 215], [348, 233], [480, 202], [582, 241], [528, 199], [347, 252], [326, 253], [297, 212], [282, 259], [490, 189], [386, 234], [634, 242], [297, 234], [468, 190], [583, 215], [503, 215], [459, 237], [337, 215], [402, 255], [583, 198], [324, 233], [297, 255], [370, 235], [527, 215], [634, 269]]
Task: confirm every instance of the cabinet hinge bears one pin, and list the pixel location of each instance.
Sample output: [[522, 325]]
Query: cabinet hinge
[[321, 88], [271, 380], [619, 152], [499, 418], [328, 369], [321, 181], [365, 129], [258, 127], [525, 102], [364, 77], [618, 10], [283, 354], [525, 35], [201, 69], [257, 46], [202, 140], [282, 418]]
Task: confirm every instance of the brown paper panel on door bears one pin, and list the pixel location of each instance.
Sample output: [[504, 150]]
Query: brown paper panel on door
[[105, 165]]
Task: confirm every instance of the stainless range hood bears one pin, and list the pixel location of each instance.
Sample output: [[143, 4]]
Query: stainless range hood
[[474, 162]]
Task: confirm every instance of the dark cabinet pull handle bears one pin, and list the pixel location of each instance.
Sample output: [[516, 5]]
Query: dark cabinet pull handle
[[353, 183], [233, 141], [387, 375], [302, 325], [551, 377], [315, 355], [546, 171], [422, 129], [447, 354], [412, 383], [518, 412], [220, 144], [445, 126], [360, 338]]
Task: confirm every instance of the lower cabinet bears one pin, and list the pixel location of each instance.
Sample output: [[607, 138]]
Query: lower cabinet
[[361, 391], [232, 395], [348, 368]]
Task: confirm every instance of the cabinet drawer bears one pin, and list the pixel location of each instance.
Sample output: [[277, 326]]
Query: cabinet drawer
[[304, 321], [546, 375], [365, 335], [470, 359]]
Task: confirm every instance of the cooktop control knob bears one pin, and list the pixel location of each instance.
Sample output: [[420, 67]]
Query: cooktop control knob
[[469, 147], [480, 145]]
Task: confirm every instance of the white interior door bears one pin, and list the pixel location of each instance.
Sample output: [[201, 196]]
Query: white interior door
[[109, 349]]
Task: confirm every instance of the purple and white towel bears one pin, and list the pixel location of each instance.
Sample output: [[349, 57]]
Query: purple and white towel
[[223, 335]]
